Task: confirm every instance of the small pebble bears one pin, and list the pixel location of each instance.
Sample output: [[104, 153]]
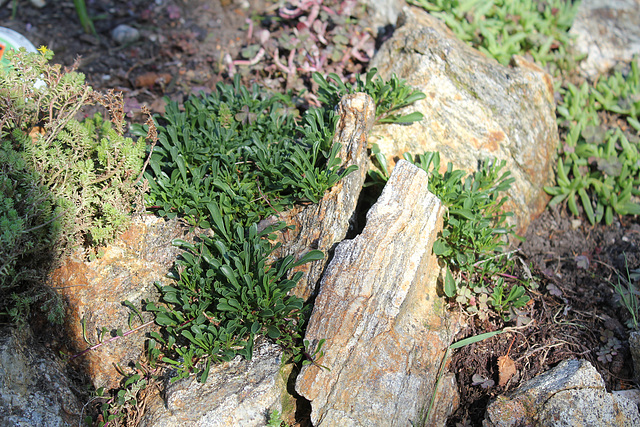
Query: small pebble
[[124, 34]]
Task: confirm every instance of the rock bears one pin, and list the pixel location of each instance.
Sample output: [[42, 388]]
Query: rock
[[34, 387], [608, 32], [385, 327], [475, 109], [634, 348], [571, 394], [124, 34], [95, 290], [323, 225], [632, 394], [383, 13], [237, 393]]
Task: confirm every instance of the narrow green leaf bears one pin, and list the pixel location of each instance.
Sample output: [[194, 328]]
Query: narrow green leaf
[[450, 288], [474, 339]]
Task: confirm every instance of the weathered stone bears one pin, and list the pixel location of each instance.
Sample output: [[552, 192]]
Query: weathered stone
[[382, 13], [34, 388], [608, 31], [632, 394], [95, 290], [125, 34], [634, 348], [475, 109], [385, 326], [321, 226], [571, 394], [237, 393]]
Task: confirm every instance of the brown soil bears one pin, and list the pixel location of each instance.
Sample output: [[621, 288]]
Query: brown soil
[[574, 309]]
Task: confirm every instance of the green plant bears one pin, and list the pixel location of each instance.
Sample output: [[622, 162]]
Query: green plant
[[599, 166], [275, 419], [503, 28], [502, 301], [629, 294], [124, 406], [65, 182], [388, 96], [610, 347], [243, 150], [475, 233], [89, 166], [83, 16], [225, 295], [29, 227], [224, 162], [475, 224]]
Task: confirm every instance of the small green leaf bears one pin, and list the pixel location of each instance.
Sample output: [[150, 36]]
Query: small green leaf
[[273, 332], [474, 339], [163, 319], [450, 288], [416, 116], [255, 327], [441, 248]]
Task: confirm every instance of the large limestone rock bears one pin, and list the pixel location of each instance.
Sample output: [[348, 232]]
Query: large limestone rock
[[323, 225], [475, 109], [237, 393], [34, 387], [608, 31], [571, 394], [385, 326], [95, 290]]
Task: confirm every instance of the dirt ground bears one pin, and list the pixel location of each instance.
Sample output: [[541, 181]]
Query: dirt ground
[[574, 310]]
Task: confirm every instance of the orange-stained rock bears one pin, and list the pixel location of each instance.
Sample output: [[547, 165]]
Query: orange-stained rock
[[95, 290], [475, 109], [385, 326], [323, 225]]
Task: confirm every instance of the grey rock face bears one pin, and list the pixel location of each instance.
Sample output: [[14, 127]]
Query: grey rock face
[[125, 34], [385, 327], [382, 13], [475, 109], [237, 393], [34, 388], [571, 394], [608, 31]]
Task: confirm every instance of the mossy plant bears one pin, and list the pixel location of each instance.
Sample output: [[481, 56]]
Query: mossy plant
[[67, 182], [599, 164]]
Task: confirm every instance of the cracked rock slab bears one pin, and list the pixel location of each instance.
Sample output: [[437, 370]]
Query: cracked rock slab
[[385, 327]]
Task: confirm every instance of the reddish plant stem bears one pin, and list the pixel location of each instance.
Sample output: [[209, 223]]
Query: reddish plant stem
[[93, 347]]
